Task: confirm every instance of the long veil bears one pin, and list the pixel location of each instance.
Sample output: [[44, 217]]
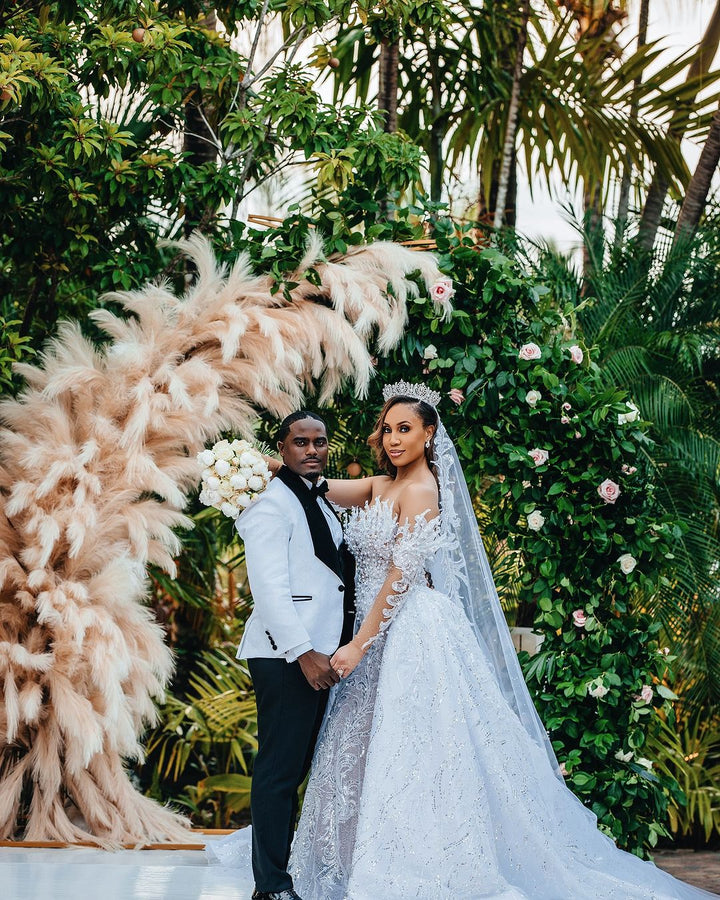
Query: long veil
[[468, 576]]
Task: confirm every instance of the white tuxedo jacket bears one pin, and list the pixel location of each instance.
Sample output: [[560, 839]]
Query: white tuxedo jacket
[[297, 599]]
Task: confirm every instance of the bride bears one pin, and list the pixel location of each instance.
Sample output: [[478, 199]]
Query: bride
[[433, 776]]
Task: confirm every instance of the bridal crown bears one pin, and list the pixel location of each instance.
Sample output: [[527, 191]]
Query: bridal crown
[[416, 391]]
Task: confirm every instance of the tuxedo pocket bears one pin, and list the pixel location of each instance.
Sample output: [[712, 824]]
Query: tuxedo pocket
[[299, 598]]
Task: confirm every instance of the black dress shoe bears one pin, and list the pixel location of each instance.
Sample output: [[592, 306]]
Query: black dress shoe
[[288, 894]]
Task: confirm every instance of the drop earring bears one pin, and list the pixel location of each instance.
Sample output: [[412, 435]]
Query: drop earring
[[427, 444]]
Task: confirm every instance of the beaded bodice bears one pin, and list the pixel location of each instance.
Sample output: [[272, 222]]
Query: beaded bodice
[[377, 540]]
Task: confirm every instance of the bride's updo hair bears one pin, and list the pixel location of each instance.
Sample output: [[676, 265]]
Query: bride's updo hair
[[428, 416]]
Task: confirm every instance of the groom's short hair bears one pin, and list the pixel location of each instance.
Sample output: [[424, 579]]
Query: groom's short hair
[[284, 428]]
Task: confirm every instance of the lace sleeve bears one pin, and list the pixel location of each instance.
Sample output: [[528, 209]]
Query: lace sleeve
[[414, 544]]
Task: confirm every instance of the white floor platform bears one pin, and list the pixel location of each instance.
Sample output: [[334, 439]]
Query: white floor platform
[[88, 874]]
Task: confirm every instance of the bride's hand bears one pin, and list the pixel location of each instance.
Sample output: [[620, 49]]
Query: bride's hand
[[346, 658], [273, 464]]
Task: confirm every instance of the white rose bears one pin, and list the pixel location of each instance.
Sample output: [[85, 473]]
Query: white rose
[[260, 468], [624, 757], [239, 482], [240, 445], [634, 413], [208, 473], [598, 689], [535, 520], [212, 497], [222, 467], [430, 352], [255, 483], [206, 457], [576, 354], [627, 563], [226, 491], [532, 397], [212, 482], [631, 416], [247, 459], [243, 500], [224, 453], [205, 498], [246, 472], [229, 510]]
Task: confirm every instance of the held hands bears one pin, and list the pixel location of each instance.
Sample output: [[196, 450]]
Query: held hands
[[317, 670], [346, 658]]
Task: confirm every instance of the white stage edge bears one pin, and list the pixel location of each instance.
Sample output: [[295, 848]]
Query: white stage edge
[[85, 873]]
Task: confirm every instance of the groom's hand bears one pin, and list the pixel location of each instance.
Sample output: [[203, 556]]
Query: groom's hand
[[317, 669]]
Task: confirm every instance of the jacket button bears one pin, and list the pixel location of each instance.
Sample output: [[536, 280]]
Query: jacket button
[[341, 587]]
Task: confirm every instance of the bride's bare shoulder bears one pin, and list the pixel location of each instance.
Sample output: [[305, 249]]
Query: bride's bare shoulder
[[380, 484], [417, 497]]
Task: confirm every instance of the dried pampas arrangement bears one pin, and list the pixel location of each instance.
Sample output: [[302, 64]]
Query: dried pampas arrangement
[[96, 458]]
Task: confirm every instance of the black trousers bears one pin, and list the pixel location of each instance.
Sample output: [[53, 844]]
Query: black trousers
[[290, 713]]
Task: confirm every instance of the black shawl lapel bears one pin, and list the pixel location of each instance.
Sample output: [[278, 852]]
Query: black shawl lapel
[[323, 543]]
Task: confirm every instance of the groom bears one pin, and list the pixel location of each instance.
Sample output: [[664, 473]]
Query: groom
[[301, 578]]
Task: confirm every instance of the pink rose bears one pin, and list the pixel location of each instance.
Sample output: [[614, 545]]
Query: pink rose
[[629, 470], [609, 491], [456, 395], [538, 456], [564, 420], [579, 618], [646, 694], [576, 354], [530, 351], [577, 435], [566, 407], [442, 291]]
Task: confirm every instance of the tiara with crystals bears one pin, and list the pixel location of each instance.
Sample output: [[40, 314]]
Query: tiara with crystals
[[416, 391]]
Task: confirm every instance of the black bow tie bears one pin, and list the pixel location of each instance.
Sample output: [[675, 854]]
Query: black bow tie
[[317, 490]]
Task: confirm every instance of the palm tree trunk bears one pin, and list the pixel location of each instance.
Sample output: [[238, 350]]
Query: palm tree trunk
[[699, 187], [508, 151], [435, 150], [593, 234], [626, 182], [650, 221], [388, 88], [198, 142]]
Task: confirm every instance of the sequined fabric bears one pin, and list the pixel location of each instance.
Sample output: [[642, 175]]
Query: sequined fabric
[[424, 782]]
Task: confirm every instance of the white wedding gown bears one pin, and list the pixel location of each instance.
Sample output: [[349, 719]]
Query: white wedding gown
[[425, 784]]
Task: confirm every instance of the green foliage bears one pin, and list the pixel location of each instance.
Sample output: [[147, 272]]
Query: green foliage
[[114, 138], [200, 754], [688, 751], [14, 347], [654, 320]]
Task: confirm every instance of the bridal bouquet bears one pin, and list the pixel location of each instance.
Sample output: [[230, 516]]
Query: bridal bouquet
[[235, 475]]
